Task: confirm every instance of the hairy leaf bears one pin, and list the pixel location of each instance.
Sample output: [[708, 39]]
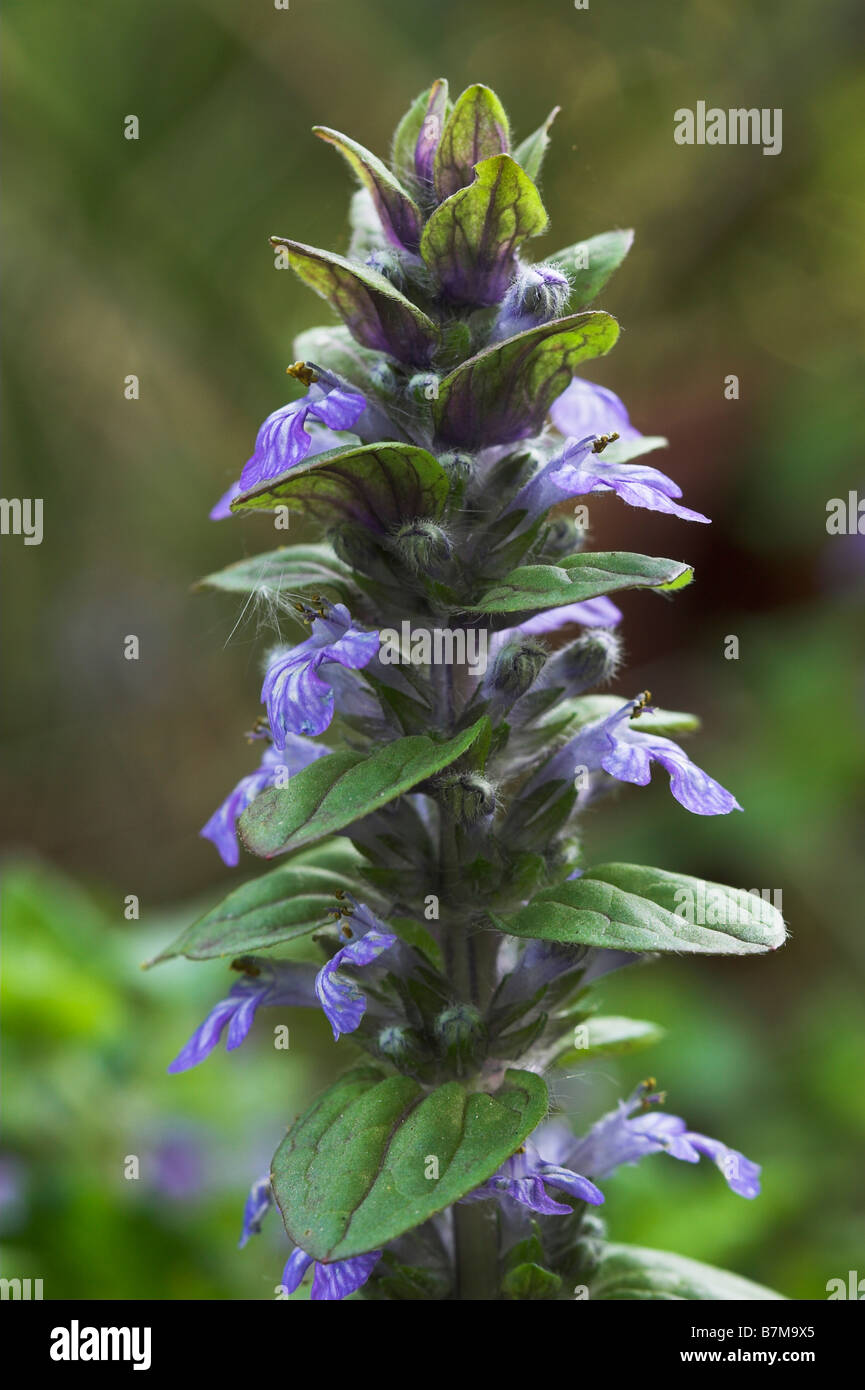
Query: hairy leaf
[[476, 129], [471, 240], [630, 907], [400, 216], [342, 787], [532, 588], [504, 392], [375, 312], [404, 147], [289, 902], [355, 1171], [279, 574], [378, 485]]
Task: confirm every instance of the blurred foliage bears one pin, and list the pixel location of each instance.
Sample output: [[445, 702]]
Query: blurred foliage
[[151, 257]]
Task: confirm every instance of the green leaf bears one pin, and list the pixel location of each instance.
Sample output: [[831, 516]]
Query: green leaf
[[589, 264], [375, 312], [626, 450], [378, 485], [587, 575], [342, 787], [530, 1283], [402, 155], [470, 241], [351, 1174], [504, 392], [607, 1036], [335, 348], [630, 907], [279, 574], [367, 233], [400, 216], [631, 1272], [573, 713], [530, 153], [476, 129], [291, 901]]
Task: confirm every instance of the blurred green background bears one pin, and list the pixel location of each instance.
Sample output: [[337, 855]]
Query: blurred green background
[[151, 257]]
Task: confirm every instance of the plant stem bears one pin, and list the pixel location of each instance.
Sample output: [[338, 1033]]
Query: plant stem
[[476, 1243], [469, 964]]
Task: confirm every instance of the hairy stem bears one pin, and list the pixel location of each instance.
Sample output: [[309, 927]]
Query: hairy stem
[[469, 964]]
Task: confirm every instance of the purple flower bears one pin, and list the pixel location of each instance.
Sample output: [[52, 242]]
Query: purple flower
[[337, 993], [284, 441], [579, 471], [299, 700], [613, 746], [258, 1204], [330, 1281], [632, 1130], [524, 1178], [276, 766], [266, 982], [584, 408], [177, 1164], [592, 612]]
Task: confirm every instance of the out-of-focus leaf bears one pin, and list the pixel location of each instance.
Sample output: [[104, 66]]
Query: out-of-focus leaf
[[589, 264], [631, 1272], [530, 152]]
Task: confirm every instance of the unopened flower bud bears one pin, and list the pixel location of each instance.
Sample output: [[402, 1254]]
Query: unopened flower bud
[[461, 1035], [384, 378], [517, 666], [457, 465], [424, 387], [538, 294], [402, 1046], [422, 546], [467, 796], [389, 264], [590, 661], [563, 537], [541, 290]]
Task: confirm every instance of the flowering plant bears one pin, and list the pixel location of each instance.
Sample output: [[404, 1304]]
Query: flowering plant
[[429, 746]]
